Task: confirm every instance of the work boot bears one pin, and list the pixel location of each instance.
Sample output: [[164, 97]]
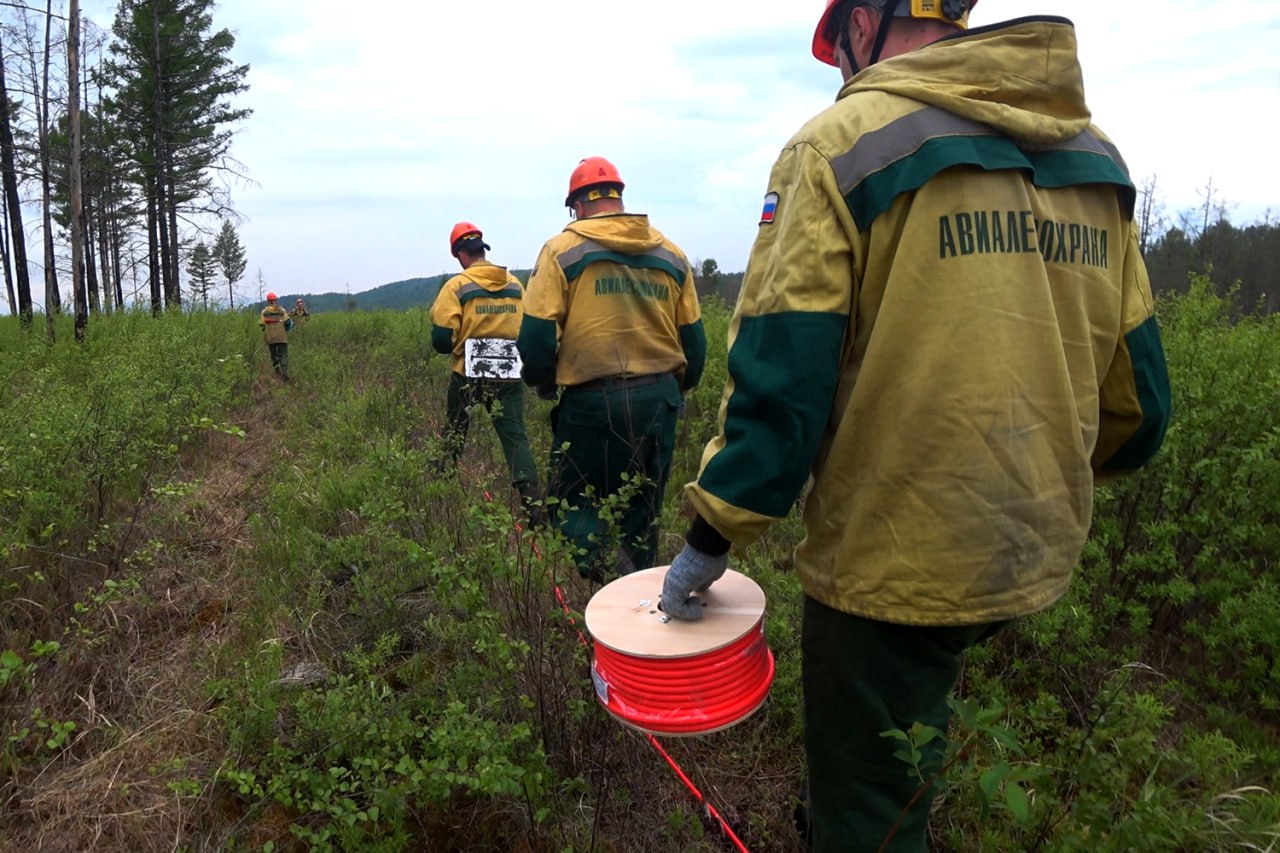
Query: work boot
[[803, 818], [535, 514]]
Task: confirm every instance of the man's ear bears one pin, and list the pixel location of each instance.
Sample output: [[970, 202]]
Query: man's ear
[[862, 30]]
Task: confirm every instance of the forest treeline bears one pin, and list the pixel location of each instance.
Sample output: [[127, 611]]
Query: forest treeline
[[119, 143], [1243, 261]]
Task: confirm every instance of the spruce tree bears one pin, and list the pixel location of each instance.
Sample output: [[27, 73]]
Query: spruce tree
[[202, 268], [229, 255]]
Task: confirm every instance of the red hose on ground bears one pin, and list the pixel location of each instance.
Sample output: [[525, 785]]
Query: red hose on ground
[[711, 810]]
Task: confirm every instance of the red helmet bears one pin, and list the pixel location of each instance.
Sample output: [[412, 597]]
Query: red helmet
[[591, 172], [271, 297], [465, 233], [952, 11]]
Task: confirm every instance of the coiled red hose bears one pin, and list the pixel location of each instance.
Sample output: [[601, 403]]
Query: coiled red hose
[[696, 694]]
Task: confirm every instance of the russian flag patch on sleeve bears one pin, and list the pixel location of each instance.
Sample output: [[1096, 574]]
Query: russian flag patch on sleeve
[[770, 208]]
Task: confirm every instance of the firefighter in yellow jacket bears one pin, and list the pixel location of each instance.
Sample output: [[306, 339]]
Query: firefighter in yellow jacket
[[947, 324], [475, 320], [612, 318], [276, 323]]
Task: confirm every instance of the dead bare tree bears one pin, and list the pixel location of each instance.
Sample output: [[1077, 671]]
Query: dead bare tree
[[13, 204], [77, 208], [1151, 218], [52, 298]]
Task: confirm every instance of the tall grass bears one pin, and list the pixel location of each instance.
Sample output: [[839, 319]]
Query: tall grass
[[89, 433], [374, 656]]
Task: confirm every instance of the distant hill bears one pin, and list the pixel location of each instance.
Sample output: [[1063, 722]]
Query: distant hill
[[396, 296]]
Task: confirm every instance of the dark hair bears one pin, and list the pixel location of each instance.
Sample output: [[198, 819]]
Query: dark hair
[[472, 244], [838, 26]]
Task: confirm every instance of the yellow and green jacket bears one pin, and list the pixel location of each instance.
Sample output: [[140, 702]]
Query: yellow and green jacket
[[610, 295], [946, 322], [483, 301], [274, 321]]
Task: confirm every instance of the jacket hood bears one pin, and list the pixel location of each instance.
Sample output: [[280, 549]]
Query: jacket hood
[[621, 232], [487, 275], [1021, 77]]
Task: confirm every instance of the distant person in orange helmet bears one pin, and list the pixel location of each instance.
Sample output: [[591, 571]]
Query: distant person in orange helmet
[[613, 319], [946, 330], [276, 323], [475, 320]]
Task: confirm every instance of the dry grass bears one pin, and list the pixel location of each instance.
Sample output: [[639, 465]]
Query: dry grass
[[134, 679]]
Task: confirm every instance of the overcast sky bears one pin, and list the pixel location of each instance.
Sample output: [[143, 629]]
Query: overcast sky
[[376, 126]]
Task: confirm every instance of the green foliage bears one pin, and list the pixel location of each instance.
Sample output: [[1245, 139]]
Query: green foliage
[[358, 754], [37, 736], [1119, 778], [1243, 260], [83, 427], [89, 435], [1181, 559], [448, 684], [702, 405], [13, 669]]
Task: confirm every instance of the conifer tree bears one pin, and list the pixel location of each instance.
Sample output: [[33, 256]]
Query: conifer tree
[[202, 268], [229, 255], [173, 83]]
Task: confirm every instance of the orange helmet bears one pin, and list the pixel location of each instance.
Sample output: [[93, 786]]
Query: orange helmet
[[466, 236], [952, 11], [271, 297], [592, 172]]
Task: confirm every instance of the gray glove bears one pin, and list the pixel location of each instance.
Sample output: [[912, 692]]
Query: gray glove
[[691, 571]]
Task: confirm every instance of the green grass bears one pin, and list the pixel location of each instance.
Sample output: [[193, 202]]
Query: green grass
[[182, 530]]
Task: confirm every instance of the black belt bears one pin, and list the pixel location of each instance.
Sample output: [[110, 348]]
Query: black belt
[[614, 383]]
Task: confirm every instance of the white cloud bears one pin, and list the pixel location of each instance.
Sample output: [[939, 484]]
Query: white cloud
[[377, 126]]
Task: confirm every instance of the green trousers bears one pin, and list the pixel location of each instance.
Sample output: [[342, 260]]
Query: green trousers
[[280, 358], [613, 430], [504, 401], [861, 678]]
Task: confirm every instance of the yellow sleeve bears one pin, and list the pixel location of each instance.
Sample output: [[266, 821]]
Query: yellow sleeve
[[446, 311], [547, 297], [785, 347]]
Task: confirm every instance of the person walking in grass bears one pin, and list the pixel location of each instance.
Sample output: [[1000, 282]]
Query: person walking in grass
[[613, 319], [276, 323], [300, 314], [946, 328], [475, 320]]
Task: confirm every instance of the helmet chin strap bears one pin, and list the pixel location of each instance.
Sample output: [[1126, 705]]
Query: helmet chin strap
[[882, 32]]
